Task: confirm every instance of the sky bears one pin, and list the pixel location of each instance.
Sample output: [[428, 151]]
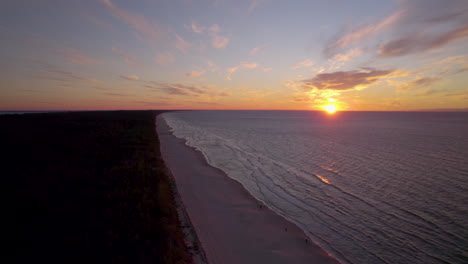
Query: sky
[[366, 55]]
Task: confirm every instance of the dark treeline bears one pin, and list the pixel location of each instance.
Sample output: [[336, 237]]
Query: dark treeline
[[87, 187]]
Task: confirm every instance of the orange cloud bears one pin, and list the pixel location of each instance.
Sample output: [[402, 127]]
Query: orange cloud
[[197, 28], [243, 65], [195, 73], [73, 56], [419, 82], [231, 71], [303, 64], [361, 33], [68, 78], [257, 49], [345, 80], [181, 44], [130, 77], [219, 42], [422, 41], [348, 55], [127, 58], [253, 4], [249, 65], [164, 58], [137, 21]]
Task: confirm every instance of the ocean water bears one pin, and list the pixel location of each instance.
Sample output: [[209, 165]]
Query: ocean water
[[368, 187]]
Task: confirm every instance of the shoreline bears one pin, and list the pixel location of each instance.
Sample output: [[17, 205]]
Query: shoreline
[[232, 226], [89, 187]]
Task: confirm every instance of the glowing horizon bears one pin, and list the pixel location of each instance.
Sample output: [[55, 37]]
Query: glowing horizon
[[226, 55]]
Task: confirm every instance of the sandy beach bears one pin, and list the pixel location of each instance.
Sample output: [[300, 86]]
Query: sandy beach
[[232, 226]]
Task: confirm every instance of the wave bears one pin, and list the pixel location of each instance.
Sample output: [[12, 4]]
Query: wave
[[367, 191]]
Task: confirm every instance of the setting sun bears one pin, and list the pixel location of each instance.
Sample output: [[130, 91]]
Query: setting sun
[[330, 109]]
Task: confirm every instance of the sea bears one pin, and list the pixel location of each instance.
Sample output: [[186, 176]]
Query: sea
[[367, 187]]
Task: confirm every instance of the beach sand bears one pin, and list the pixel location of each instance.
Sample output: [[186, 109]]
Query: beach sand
[[232, 226]]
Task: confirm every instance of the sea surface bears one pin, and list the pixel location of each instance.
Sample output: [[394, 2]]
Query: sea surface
[[368, 187]]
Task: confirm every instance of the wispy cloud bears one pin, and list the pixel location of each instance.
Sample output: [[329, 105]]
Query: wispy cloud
[[303, 64], [219, 42], [196, 28], [130, 77], [164, 58], [190, 90], [68, 78], [417, 26], [150, 29], [181, 44], [360, 33], [243, 65], [195, 73], [346, 80], [257, 49], [231, 71], [73, 56], [117, 94], [253, 4], [347, 56], [130, 60], [97, 22], [267, 69], [416, 42], [418, 83], [212, 66], [249, 65]]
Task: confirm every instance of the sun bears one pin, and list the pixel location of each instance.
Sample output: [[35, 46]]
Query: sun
[[330, 108]]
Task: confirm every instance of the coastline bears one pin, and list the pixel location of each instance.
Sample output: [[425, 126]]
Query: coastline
[[232, 226], [88, 187]]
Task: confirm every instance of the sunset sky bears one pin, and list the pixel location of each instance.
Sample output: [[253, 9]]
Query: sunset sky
[[233, 54]]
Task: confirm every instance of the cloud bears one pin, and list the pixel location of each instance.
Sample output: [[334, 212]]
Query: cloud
[[257, 49], [197, 28], [231, 71], [195, 73], [212, 67], [249, 65], [186, 89], [130, 77], [348, 55], [360, 33], [176, 89], [219, 42], [164, 58], [66, 77], [253, 4], [138, 22], [422, 41], [215, 29], [243, 65], [345, 80], [418, 83], [127, 58], [267, 69], [303, 64], [417, 26], [98, 22], [117, 94], [73, 56], [181, 44]]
